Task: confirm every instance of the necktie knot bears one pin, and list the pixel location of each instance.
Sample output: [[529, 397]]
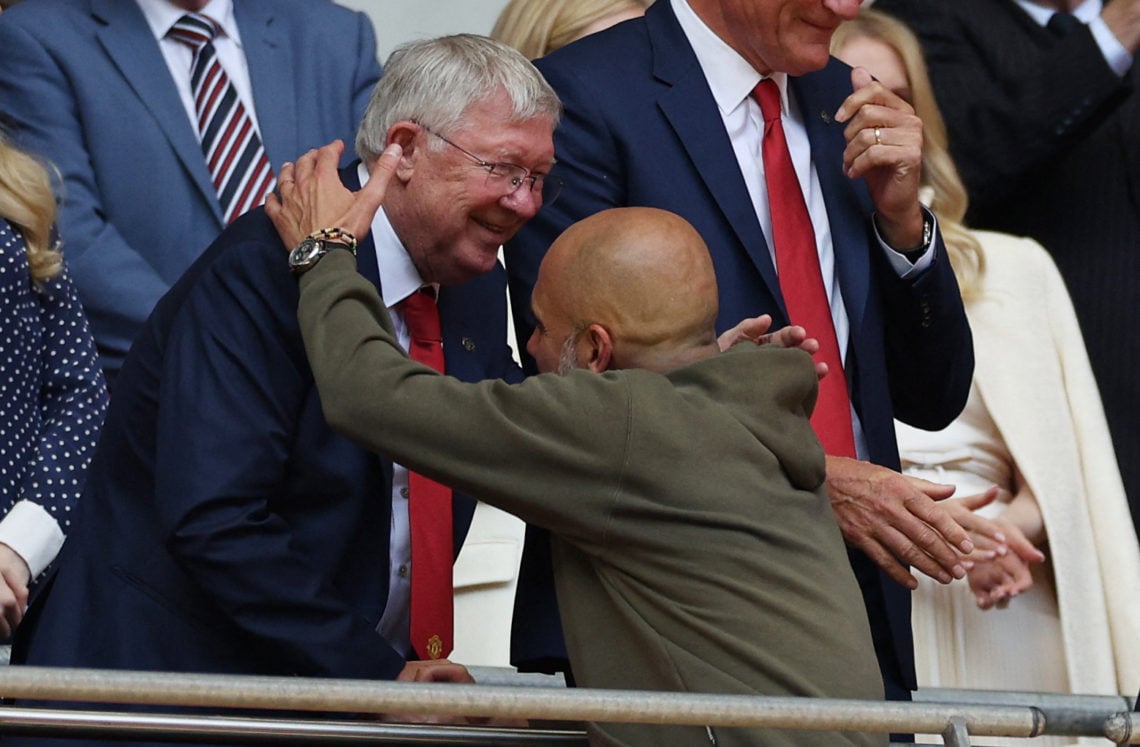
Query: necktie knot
[[767, 94], [422, 317], [1062, 24], [194, 30]]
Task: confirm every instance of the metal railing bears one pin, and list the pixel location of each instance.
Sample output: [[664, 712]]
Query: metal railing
[[953, 715]]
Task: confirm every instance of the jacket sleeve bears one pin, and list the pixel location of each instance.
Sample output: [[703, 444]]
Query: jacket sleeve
[[566, 436], [72, 405]]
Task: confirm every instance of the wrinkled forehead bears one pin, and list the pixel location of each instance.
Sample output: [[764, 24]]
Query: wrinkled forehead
[[494, 134]]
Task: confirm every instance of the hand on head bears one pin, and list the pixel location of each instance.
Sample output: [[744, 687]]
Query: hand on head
[[312, 196]]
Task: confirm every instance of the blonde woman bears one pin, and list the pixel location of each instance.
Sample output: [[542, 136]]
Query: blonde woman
[[1034, 426], [538, 27], [52, 394]]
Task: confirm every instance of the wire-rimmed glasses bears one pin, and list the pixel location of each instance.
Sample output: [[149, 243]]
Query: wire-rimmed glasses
[[511, 175]]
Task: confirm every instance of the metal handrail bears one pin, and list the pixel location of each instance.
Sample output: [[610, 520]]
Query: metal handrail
[[578, 704], [189, 727]]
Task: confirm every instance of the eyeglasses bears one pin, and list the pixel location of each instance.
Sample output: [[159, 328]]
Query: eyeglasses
[[511, 176]]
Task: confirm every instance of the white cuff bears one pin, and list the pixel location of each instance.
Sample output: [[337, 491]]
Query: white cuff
[[33, 533], [902, 266], [1115, 54]]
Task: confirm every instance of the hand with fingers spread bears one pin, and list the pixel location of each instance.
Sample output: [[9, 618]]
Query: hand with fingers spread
[[896, 520], [884, 148], [756, 330], [312, 196]]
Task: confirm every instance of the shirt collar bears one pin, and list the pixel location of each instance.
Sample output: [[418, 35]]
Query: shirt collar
[[399, 277], [729, 75], [1085, 12], [161, 15]]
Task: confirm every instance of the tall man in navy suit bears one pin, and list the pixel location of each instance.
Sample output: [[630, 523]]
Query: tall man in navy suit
[[103, 90], [225, 527], [1055, 88], [660, 112]]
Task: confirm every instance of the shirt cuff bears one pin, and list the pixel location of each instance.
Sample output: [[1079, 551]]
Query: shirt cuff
[[33, 533], [1117, 57], [902, 266]]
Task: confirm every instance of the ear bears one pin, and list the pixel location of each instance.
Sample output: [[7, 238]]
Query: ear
[[405, 133], [599, 348]]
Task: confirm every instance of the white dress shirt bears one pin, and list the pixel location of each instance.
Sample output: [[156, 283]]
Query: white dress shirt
[[399, 279], [161, 15], [732, 80], [1088, 13]]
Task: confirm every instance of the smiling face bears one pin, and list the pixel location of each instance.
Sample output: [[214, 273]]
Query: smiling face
[[788, 36], [449, 215]]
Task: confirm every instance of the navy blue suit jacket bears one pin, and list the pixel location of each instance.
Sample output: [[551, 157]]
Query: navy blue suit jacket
[[225, 528], [641, 127], [86, 86]]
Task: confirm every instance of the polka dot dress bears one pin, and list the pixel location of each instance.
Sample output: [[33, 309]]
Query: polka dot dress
[[52, 393]]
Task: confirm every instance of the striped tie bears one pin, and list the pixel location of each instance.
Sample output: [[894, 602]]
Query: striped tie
[[234, 154]]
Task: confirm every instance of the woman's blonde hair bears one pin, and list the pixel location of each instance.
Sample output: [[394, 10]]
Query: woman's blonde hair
[[27, 202], [939, 175], [538, 27]]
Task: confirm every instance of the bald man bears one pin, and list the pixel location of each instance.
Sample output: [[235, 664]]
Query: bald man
[[671, 576]]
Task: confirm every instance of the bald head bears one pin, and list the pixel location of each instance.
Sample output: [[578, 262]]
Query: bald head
[[639, 277]]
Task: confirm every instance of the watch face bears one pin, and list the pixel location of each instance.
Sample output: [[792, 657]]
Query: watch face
[[305, 254]]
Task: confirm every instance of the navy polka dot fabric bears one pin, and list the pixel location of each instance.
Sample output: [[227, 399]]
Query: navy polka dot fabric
[[52, 394]]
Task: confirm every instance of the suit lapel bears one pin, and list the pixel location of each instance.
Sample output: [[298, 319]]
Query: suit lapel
[[819, 95], [271, 73], [129, 43], [688, 105]]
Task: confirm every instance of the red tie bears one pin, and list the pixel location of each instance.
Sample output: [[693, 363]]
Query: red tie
[[801, 283], [429, 507]]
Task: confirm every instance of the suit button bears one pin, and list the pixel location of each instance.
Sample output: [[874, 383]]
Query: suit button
[[468, 344], [927, 313]]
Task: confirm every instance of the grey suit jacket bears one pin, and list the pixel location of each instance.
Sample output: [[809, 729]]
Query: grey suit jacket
[[85, 85]]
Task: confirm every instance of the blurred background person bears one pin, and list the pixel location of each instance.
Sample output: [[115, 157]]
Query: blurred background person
[[1042, 111], [119, 95], [1035, 427], [538, 27], [52, 394]]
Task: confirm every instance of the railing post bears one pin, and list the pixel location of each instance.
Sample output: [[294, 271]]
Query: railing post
[[956, 734]]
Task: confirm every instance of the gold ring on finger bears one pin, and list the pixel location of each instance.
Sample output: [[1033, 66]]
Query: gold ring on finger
[[878, 136]]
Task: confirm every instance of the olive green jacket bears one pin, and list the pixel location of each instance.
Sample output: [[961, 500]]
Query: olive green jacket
[[693, 543]]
